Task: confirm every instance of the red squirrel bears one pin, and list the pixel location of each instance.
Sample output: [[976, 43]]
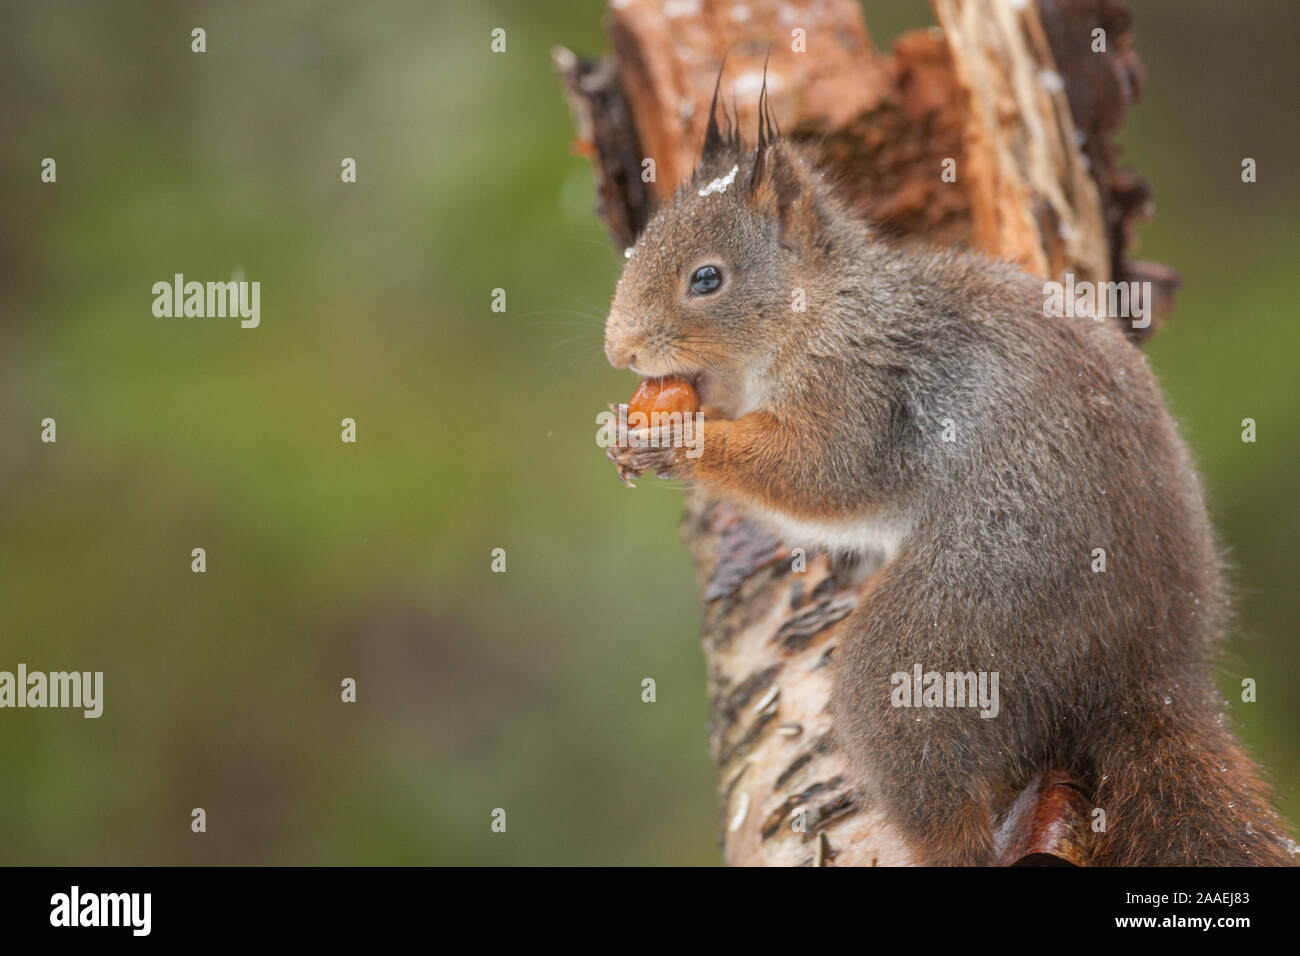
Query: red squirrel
[[922, 407]]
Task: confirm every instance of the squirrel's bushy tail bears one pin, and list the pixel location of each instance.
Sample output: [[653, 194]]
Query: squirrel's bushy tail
[[1178, 790]]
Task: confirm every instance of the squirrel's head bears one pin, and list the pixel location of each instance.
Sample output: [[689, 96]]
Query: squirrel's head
[[710, 288]]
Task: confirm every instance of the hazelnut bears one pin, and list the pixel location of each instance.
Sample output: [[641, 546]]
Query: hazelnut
[[662, 396]]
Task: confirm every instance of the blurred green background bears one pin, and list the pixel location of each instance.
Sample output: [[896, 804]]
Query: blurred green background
[[475, 431]]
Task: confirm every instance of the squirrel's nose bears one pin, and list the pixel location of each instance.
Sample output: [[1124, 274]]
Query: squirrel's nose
[[619, 354]]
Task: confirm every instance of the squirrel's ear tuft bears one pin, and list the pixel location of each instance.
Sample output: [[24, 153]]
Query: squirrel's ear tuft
[[719, 139], [781, 181], [767, 134]]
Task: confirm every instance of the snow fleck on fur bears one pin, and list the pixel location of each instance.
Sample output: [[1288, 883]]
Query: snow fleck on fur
[[720, 184]]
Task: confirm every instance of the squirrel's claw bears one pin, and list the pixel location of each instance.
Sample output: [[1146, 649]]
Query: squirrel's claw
[[640, 455]]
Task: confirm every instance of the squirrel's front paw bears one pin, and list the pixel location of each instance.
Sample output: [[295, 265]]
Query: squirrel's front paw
[[660, 451]]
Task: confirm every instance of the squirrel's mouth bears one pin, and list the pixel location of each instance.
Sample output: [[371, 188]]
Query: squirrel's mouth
[[712, 388]]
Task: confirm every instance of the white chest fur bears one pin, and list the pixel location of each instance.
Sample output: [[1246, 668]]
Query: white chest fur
[[881, 536]]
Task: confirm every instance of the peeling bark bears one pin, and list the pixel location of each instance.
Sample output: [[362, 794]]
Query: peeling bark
[[1027, 110]]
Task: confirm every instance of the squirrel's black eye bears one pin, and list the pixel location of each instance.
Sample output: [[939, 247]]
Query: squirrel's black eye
[[705, 279]]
